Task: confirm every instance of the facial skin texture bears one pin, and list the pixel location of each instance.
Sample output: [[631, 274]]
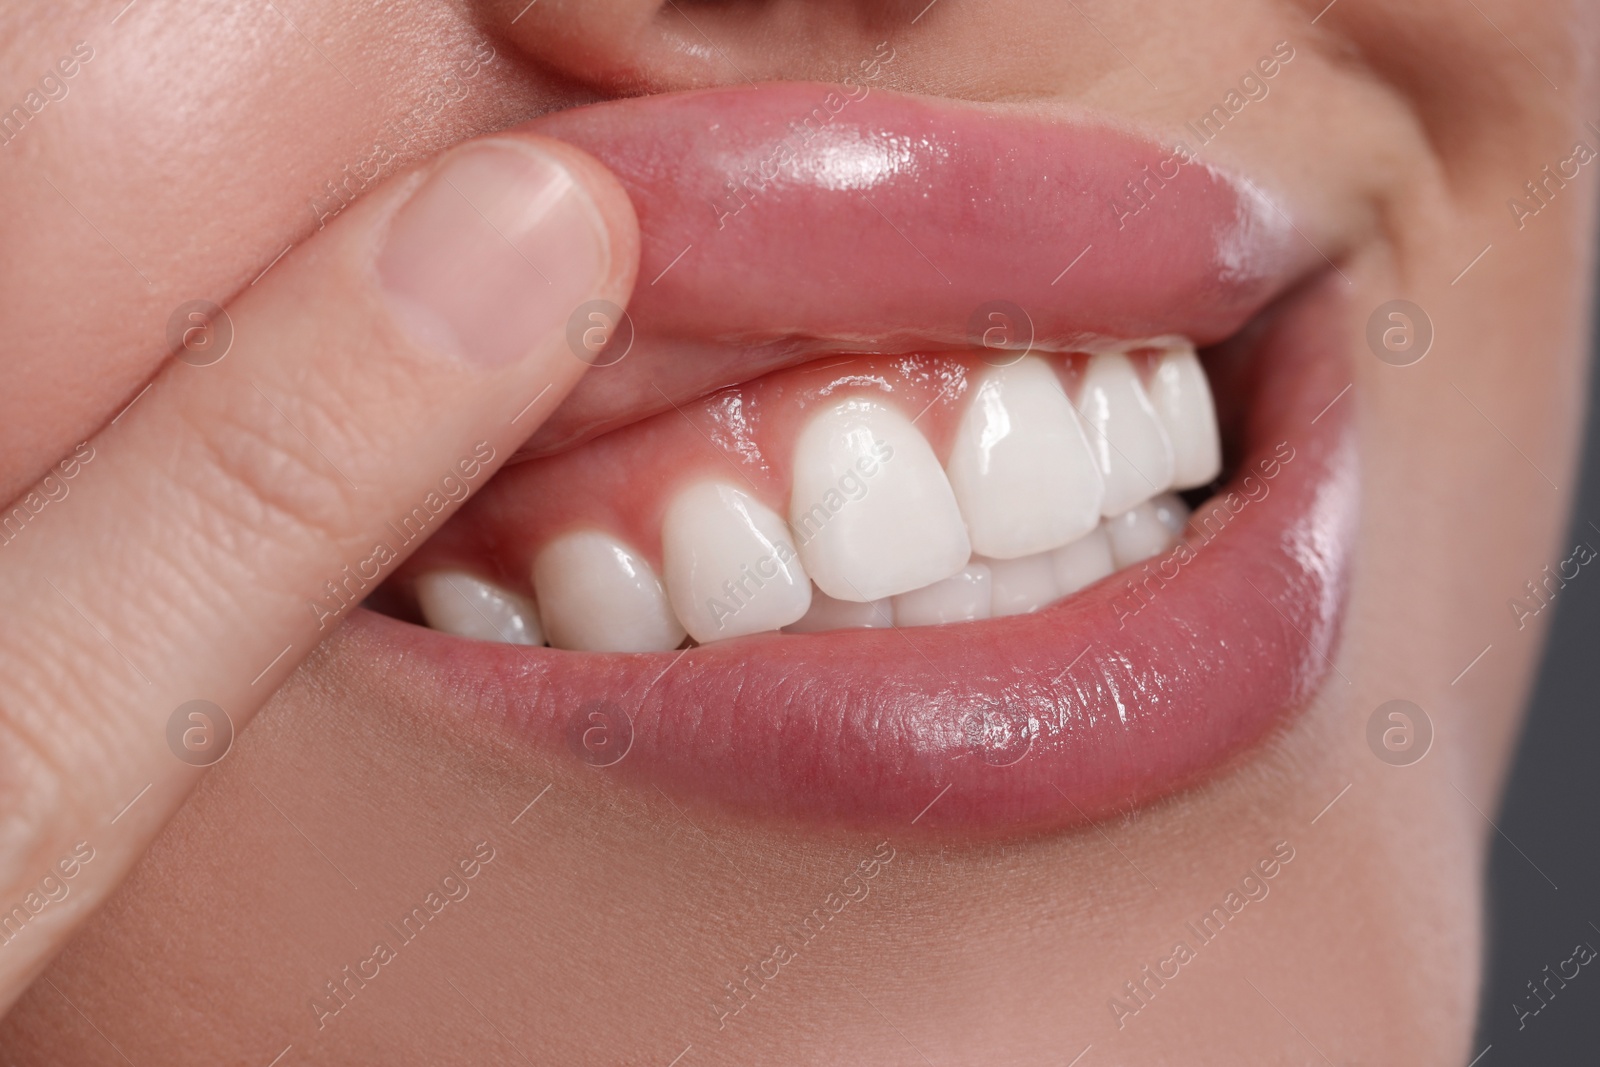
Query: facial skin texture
[[610, 919]]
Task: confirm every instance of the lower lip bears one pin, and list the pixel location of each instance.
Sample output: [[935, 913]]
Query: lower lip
[[1106, 699]]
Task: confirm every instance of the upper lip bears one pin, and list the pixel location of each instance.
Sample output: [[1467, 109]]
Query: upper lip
[[1068, 714], [771, 236]]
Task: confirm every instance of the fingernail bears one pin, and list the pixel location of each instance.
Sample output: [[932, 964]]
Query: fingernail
[[491, 254]]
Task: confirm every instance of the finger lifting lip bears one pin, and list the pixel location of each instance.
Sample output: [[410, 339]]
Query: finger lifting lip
[[1042, 719]]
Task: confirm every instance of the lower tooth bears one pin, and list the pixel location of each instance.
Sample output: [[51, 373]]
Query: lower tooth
[[454, 602], [1083, 562], [1147, 530], [1173, 513], [730, 566], [598, 595], [1022, 585], [827, 613], [959, 598]]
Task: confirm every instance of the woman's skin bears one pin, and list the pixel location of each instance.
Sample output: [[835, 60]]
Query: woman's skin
[[611, 916]]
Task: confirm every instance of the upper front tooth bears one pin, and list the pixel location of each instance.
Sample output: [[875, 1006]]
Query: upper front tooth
[[1131, 447], [1182, 398], [730, 566], [1021, 468], [598, 595], [455, 602], [963, 596], [871, 508]]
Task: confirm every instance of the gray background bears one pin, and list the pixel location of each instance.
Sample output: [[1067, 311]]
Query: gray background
[[1551, 813]]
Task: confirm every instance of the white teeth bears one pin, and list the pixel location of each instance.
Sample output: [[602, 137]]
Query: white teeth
[[1131, 447], [729, 564], [1040, 498], [1136, 535], [870, 507], [829, 614], [1182, 398], [1022, 585], [959, 598], [1021, 468], [1147, 530], [597, 595], [1173, 513], [455, 602], [1084, 562]]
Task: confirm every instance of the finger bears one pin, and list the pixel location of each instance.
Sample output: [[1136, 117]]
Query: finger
[[201, 545]]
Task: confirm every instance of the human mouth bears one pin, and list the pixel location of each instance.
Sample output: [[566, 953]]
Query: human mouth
[[828, 546]]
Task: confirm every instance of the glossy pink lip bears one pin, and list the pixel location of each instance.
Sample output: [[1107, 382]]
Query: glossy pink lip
[[1029, 720], [890, 225]]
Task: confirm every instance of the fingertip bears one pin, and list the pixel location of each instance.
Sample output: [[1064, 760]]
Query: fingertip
[[611, 203], [500, 241]]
